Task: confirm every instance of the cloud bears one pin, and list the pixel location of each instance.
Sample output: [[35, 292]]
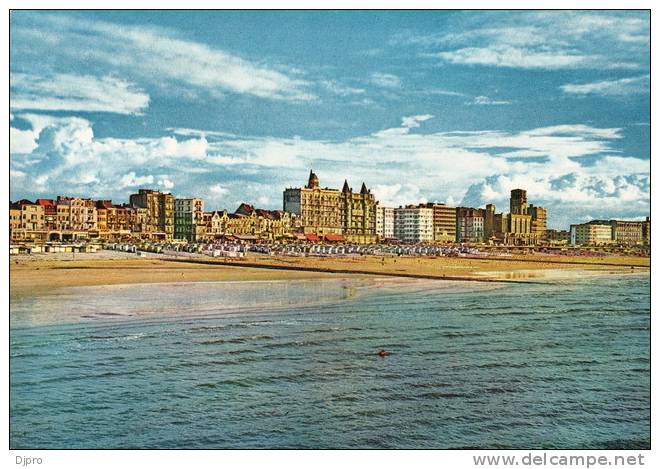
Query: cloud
[[339, 89], [398, 195], [486, 101], [551, 40], [21, 141], [411, 122], [68, 92], [154, 54], [131, 180], [513, 57], [385, 80], [165, 183], [620, 87]]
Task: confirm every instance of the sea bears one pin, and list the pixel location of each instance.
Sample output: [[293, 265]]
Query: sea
[[295, 364]]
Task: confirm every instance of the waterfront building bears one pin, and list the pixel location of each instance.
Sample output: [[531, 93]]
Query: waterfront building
[[470, 225], [26, 220], [50, 213], [413, 224], [213, 223], [384, 222], [76, 214], [323, 211], [627, 232], [358, 215], [188, 219], [496, 225], [444, 222], [539, 221], [591, 234], [15, 232], [159, 212], [520, 229], [267, 224], [558, 237], [319, 209], [102, 216]]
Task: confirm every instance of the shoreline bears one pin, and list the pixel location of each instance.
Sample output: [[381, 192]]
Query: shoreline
[[34, 273]]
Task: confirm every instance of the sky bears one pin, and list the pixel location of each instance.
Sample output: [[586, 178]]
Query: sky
[[234, 106]]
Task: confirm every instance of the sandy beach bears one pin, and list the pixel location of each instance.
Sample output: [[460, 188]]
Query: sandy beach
[[36, 272]]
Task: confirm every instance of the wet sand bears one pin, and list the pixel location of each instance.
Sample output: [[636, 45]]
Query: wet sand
[[35, 272]]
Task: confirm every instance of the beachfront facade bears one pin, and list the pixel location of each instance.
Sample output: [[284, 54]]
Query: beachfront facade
[[76, 214], [470, 224], [413, 224], [26, 221], [248, 224], [591, 234], [159, 210], [557, 237], [539, 221], [384, 222], [338, 215], [188, 219], [358, 215], [444, 222], [319, 208]]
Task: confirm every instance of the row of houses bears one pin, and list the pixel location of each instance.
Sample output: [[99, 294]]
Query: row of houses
[[150, 215]]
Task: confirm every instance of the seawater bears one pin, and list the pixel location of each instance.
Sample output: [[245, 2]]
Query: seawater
[[294, 365]]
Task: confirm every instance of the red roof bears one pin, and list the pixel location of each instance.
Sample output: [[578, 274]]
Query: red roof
[[334, 237], [311, 237]]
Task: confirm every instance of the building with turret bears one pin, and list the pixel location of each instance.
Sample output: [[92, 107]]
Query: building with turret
[[344, 215]]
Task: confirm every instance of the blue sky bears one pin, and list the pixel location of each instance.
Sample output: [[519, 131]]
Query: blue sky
[[456, 107]]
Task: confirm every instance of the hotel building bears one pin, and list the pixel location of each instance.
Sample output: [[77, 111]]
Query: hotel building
[[188, 219], [159, 212], [591, 234], [470, 224], [384, 222], [413, 224], [346, 215], [444, 222]]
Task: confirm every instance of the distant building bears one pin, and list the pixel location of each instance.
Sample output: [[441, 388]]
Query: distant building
[[444, 222], [558, 237], [159, 212], [188, 219], [591, 234], [319, 209], [358, 215], [470, 224], [539, 221], [413, 224], [76, 214], [50, 213], [26, 221], [324, 211], [385, 222]]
